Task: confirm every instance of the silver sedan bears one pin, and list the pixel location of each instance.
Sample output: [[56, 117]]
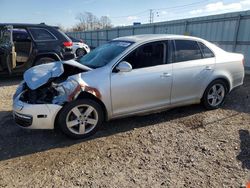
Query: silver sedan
[[125, 77]]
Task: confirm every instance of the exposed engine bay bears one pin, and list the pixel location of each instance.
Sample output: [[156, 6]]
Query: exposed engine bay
[[42, 95], [52, 86]]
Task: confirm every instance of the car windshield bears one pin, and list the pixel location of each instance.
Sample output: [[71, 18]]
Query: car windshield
[[102, 55]]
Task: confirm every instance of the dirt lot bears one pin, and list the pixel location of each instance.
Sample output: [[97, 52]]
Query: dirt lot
[[184, 147]]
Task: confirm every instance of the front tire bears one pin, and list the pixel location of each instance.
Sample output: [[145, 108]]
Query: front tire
[[214, 95], [80, 118]]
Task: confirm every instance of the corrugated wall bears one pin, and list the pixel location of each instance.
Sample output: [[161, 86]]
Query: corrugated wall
[[230, 31]]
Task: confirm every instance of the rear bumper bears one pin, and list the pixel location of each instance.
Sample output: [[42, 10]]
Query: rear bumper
[[87, 49], [34, 116], [238, 80]]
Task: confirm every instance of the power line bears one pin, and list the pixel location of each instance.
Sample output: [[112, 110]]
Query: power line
[[167, 8], [182, 6], [176, 16], [136, 14]]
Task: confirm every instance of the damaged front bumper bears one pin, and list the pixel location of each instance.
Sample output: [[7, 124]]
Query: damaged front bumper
[[34, 116], [44, 91]]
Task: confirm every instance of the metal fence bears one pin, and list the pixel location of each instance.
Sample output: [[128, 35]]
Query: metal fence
[[230, 31]]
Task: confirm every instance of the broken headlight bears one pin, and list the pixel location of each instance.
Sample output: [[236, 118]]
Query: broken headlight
[[66, 91], [19, 89]]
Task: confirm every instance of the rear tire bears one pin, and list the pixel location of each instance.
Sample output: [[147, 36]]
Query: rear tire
[[44, 60], [80, 118], [215, 94], [80, 52]]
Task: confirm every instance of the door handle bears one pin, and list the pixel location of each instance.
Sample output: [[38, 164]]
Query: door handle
[[165, 74], [208, 68]]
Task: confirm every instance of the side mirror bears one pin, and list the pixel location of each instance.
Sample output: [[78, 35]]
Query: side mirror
[[124, 66]]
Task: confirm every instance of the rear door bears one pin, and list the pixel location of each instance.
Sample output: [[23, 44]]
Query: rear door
[[44, 40], [7, 49], [192, 68]]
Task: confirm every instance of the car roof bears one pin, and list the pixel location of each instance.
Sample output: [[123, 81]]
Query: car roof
[[25, 25], [139, 39], [151, 37]]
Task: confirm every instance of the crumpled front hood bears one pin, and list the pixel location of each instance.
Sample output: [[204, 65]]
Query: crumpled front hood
[[40, 75], [76, 64]]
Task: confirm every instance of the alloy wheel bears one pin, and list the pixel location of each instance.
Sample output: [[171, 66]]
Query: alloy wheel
[[216, 94], [82, 119]]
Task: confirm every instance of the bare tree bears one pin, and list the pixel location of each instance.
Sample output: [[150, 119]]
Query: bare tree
[[88, 21], [83, 22], [105, 22], [61, 27]]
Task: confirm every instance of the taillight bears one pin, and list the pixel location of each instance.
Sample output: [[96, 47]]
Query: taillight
[[67, 44], [243, 61]]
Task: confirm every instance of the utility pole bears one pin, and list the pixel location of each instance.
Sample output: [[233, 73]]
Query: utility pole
[[151, 16]]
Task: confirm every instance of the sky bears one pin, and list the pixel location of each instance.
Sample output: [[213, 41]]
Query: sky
[[121, 12]]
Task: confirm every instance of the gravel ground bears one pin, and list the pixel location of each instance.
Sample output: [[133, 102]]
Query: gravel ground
[[183, 147]]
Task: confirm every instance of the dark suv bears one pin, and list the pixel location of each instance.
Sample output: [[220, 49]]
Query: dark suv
[[25, 45]]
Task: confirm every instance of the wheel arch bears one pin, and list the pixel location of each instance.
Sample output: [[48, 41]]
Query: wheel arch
[[84, 95], [224, 79], [81, 48], [87, 95], [227, 82]]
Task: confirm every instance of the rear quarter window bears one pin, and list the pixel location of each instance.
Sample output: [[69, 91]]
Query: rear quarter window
[[63, 35], [186, 50], [207, 53], [41, 34]]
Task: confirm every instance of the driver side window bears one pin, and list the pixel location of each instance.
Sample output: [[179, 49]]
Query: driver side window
[[148, 55]]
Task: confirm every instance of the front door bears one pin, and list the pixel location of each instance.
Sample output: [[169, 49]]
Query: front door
[[7, 49], [148, 85]]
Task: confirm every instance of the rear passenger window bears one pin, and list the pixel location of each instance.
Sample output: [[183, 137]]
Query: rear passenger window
[[186, 50], [207, 53], [40, 34]]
